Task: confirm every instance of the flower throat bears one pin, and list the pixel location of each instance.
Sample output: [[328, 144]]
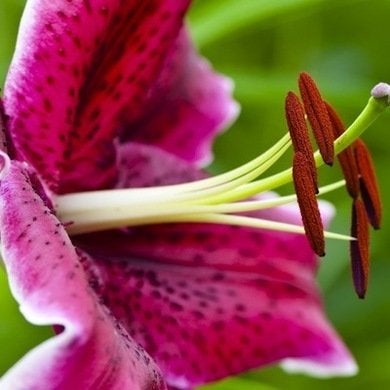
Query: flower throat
[[222, 198]]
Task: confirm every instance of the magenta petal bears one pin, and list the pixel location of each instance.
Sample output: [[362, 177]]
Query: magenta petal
[[132, 72], [141, 165], [77, 68], [207, 302], [91, 350], [191, 105]]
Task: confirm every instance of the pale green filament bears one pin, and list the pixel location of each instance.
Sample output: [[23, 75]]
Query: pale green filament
[[160, 212], [210, 200], [198, 216], [179, 192], [369, 114]]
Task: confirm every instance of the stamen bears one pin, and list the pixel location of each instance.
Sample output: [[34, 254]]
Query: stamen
[[218, 199], [163, 212], [360, 248], [318, 117], [307, 201], [299, 132], [209, 188], [192, 215], [346, 157], [368, 184]]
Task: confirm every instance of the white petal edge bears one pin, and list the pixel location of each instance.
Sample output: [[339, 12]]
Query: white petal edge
[[305, 366]]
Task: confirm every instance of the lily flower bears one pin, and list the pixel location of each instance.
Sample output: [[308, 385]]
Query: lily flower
[[151, 273]]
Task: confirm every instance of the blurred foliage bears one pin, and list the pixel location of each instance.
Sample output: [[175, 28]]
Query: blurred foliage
[[262, 45]]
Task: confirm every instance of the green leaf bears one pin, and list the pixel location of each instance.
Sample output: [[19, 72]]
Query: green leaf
[[17, 336], [238, 383], [214, 19]]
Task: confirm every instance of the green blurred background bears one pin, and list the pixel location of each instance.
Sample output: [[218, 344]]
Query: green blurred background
[[263, 45]]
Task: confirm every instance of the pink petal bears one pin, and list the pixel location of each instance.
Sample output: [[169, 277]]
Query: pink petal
[[83, 71], [184, 120], [141, 165], [144, 166], [210, 301], [207, 301], [91, 350], [77, 66], [290, 213]]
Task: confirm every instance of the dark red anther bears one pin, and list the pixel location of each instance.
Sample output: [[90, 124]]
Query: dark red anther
[[307, 201], [318, 117], [299, 132], [368, 184], [346, 157], [360, 262]]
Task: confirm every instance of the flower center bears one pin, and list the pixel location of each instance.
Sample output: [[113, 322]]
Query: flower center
[[222, 198], [210, 200]]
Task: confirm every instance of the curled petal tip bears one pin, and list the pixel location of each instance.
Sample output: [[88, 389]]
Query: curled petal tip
[[381, 90], [342, 365], [4, 164]]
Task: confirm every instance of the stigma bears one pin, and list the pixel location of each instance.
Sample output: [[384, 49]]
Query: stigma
[[225, 198]]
